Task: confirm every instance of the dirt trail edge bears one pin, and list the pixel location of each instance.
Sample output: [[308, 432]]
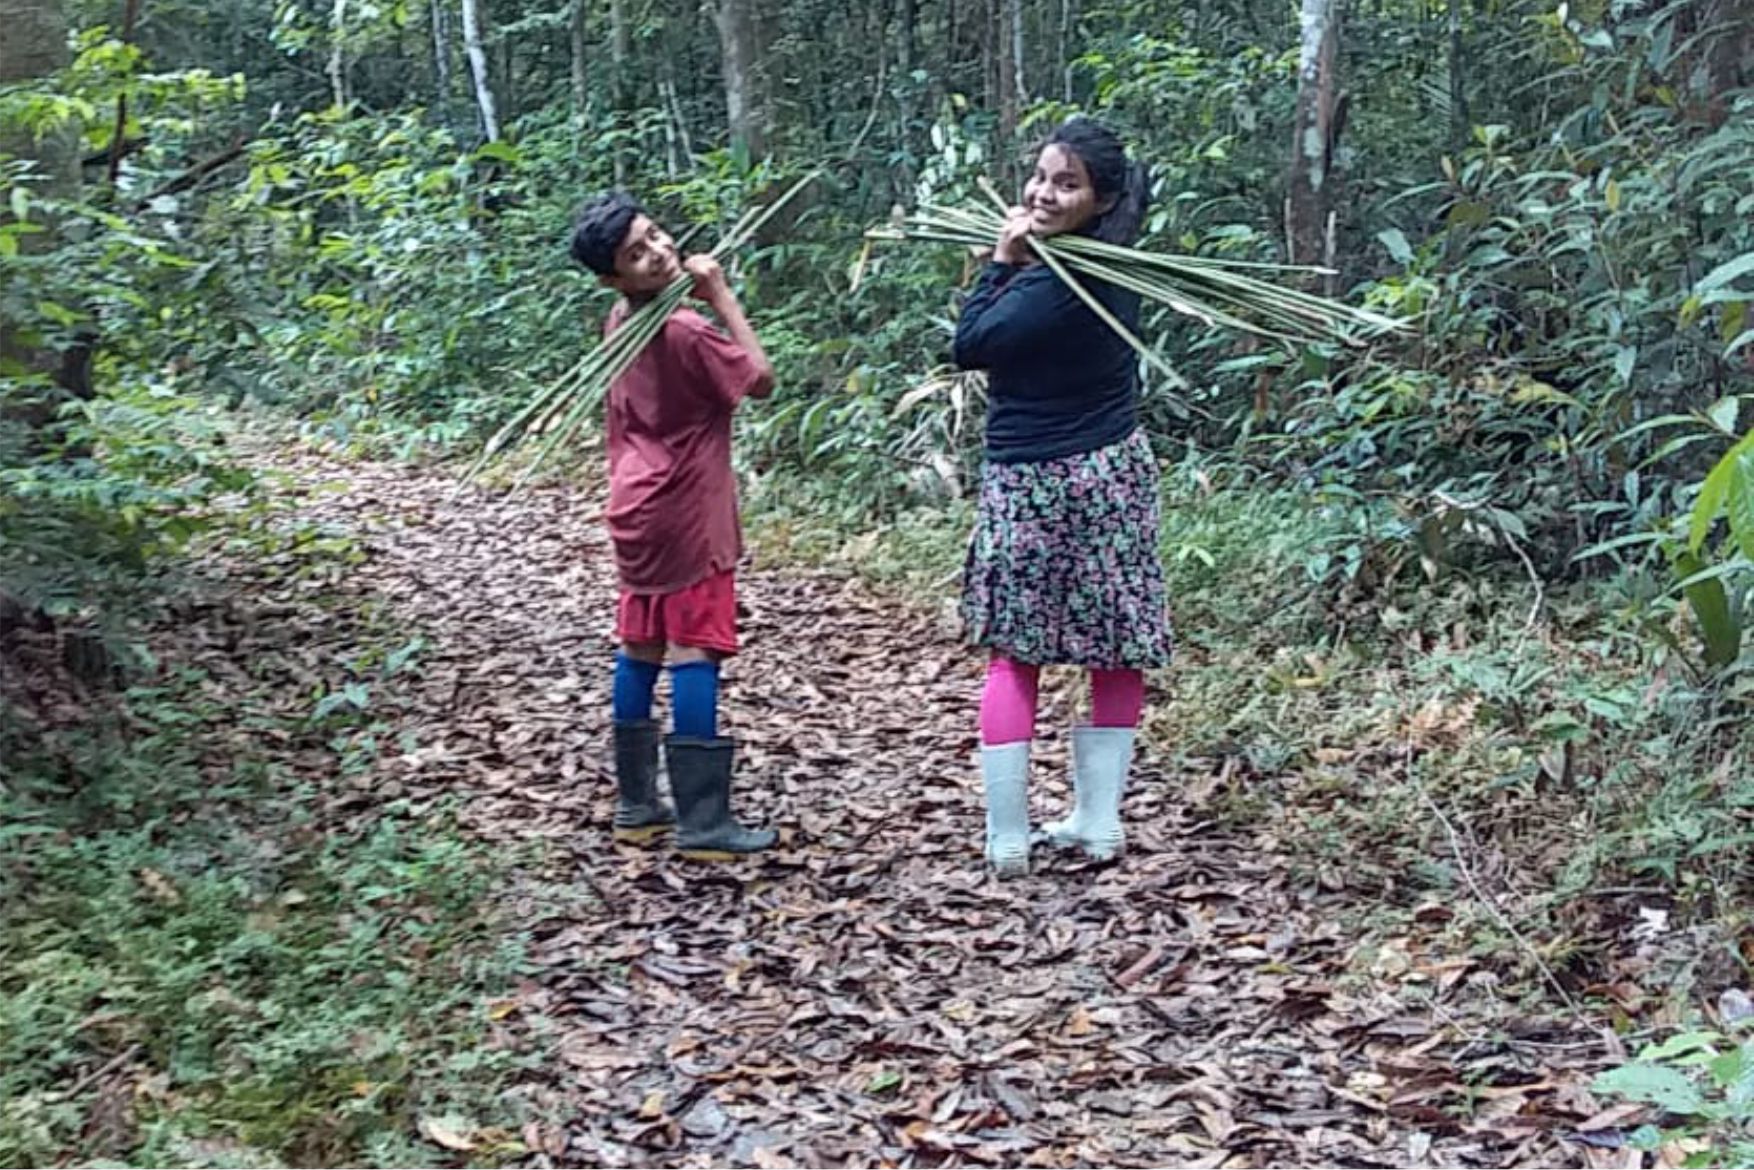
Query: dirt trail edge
[[868, 995]]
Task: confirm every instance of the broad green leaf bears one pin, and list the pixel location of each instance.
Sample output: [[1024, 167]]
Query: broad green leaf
[[1705, 595], [1723, 414], [1736, 566], [1739, 501], [1680, 1045], [1651, 424], [1723, 274], [1618, 543], [1652, 1084], [1739, 1085], [1711, 845], [1711, 500], [1625, 359], [1735, 315], [1393, 239], [1677, 444], [20, 204], [499, 152]]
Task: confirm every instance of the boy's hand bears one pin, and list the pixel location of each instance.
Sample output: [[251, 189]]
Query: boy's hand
[[710, 284]]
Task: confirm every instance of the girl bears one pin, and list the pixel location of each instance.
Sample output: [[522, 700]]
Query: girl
[[1063, 567]]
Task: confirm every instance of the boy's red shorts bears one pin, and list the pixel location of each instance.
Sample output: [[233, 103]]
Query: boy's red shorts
[[702, 616]]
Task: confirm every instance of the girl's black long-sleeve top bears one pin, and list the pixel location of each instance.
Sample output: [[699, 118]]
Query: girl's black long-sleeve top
[[1060, 381]]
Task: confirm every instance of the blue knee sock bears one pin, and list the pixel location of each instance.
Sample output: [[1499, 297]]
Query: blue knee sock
[[634, 683], [694, 699]]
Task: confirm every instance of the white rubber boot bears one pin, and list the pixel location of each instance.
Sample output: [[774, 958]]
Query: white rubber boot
[[1101, 757], [1005, 770]]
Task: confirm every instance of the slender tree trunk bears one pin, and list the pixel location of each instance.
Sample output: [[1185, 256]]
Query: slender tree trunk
[[737, 53], [1309, 186], [441, 58], [118, 136], [472, 45], [1007, 14], [620, 56], [1458, 88], [1067, 19], [908, 37], [1019, 82], [578, 42], [952, 52], [508, 72], [338, 53], [678, 119], [904, 90], [991, 54]]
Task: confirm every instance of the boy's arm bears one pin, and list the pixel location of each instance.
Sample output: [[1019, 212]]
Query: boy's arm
[[711, 286]]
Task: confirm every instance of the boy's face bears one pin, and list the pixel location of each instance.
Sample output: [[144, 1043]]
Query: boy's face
[[646, 261]]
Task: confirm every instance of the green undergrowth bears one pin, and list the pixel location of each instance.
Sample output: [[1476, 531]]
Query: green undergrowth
[[222, 948]]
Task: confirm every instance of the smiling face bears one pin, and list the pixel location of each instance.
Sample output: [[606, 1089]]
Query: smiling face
[[646, 261], [1060, 196]]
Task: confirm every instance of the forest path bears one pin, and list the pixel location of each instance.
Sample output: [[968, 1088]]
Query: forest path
[[867, 994]]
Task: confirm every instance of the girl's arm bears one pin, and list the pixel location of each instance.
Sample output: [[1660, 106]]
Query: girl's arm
[[998, 319]]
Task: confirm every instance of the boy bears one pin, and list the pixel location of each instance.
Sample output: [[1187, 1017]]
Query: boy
[[673, 521]]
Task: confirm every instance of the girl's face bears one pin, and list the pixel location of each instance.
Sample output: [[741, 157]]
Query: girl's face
[[1059, 196]]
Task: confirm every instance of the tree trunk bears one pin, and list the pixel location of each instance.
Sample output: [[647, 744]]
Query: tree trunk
[[118, 136], [441, 57], [990, 55], [338, 53], [1458, 90], [1019, 85], [952, 55], [904, 91], [620, 53], [737, 52], [581, 91], [1006, 15], [909, 36], [1067, 18], [1309, 194], [478, 69]]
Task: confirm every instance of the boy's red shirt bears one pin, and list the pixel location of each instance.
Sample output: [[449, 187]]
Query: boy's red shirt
[[672, 494]]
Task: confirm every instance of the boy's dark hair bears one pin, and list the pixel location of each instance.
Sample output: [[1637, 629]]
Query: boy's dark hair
[[600, 228], [1112, 174]]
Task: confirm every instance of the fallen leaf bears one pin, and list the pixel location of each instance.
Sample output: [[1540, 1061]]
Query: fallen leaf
[[447, 1132]]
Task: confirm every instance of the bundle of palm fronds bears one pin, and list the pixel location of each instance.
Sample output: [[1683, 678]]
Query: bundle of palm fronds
[[559, 411], [1228, 293]]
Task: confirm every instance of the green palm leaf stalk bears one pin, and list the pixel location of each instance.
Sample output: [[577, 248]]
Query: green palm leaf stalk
[[1229, 294]]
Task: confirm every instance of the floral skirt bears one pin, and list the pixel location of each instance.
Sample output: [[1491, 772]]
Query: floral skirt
[[1064, 567]]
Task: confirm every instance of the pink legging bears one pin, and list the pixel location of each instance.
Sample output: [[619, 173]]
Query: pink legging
[[1008, 702]]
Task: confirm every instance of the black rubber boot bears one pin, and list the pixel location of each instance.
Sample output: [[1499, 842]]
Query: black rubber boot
[[700, 776], [640, 813]]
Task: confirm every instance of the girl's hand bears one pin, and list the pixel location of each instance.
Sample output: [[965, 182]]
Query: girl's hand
[[1013, 245]]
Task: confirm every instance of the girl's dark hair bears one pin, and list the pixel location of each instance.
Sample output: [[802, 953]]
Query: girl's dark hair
[[600, 228], [1112, 174]]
